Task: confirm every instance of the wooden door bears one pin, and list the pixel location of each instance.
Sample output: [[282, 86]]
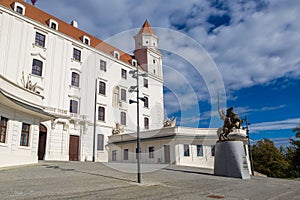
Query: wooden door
[[73, 148], [42, 142], [167, 154]]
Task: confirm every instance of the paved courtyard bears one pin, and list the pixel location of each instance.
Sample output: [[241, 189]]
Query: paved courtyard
[[76, 180]]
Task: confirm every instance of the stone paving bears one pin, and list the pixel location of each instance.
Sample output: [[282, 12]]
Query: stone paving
[[86, 180]]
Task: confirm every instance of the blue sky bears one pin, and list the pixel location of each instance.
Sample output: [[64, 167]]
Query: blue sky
[[253, 46]]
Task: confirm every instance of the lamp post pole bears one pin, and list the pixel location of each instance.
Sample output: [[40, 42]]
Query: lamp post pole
[[138, 128], [136, 74], [95, 121]]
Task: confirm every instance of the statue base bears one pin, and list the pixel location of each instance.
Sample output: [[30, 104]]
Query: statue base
[[230, 160]]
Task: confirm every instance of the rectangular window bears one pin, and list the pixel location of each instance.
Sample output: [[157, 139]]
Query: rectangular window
[[53, 26], [102, 65], [37, 67], [87, 41], [100, 142], [124, 74], [123, 118], [75, 79], [102, 87], [24, 140], [186, 149], [73, 106], [101, 113], [146, 102], [151, 152], [146, 123], [212, 150], [114, 155], [123, 94], [116, 55], [145, 83], [19, 10], [40, 39], [3, 127], [199, 150], [125, 156], [76, 54]]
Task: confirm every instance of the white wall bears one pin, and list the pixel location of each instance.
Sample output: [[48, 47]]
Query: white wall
[[17, 37], [11, 153]]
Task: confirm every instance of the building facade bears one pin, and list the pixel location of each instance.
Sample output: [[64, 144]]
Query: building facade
[[172, 145], [74, 79], [64, 95]]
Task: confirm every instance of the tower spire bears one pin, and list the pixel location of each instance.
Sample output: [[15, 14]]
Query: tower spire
[[146, 28]]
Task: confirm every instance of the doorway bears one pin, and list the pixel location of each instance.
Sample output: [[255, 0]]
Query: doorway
[[167, 154], [42, 142], [73, 148]]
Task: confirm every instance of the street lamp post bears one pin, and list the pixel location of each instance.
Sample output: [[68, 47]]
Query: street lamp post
[[136, 74]]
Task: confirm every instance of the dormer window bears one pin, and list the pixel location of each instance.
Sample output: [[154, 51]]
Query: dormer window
[[116, 54], [19, 8], [86, 40], [134, 62], [53, 24]]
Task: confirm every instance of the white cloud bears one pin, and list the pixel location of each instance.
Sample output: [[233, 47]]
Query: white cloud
[[275, 125], [258, 46]]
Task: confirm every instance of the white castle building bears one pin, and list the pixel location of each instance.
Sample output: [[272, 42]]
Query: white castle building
[[63, 93]]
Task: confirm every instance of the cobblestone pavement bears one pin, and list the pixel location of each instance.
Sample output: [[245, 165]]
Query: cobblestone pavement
[[86, 180]]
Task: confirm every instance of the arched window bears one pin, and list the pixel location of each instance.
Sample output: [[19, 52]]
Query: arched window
[[146, 102], [37, 67], [73, 106], [102, 87], [101, 113], [146, 123], [123, 118], [75, 79]]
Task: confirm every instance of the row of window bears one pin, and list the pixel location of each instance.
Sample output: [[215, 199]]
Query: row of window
[[186, 150], [123, 121], [37, 65], [101, 114], [24, 138], [126, 153]]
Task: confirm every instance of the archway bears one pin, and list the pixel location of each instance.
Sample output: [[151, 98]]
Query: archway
[[42, 142]]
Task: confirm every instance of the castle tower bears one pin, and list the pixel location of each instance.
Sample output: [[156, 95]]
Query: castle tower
[[146, 50]]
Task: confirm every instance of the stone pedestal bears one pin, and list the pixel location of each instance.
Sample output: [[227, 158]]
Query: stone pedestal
[[230, 160]]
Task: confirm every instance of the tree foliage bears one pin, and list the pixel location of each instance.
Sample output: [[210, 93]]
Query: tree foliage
[[293, 157], [297, 131], [268, 160], [282, 162]]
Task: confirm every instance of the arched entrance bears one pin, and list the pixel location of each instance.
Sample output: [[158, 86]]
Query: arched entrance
[[42, 142]]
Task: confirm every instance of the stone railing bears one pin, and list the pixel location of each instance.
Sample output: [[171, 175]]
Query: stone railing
[[64, 113]]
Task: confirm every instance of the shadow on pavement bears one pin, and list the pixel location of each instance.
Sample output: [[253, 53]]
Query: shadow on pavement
[[89, 173], [190, 172]]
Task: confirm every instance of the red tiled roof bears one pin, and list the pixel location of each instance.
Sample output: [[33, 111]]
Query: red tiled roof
[[146, 28], [63, 27]]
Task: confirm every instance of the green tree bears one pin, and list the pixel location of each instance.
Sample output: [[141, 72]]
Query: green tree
[[293, 157], [297, 131], [268, 160]]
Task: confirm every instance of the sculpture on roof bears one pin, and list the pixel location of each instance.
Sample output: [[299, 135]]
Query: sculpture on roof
[[117, 129], [170, 122], [28, 84], [231, 121]]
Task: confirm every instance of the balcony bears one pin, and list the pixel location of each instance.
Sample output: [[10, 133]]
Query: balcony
[[21, 94], [65, 114]]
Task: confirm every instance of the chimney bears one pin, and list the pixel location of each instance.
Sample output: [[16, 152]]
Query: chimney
[[74, 23]]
